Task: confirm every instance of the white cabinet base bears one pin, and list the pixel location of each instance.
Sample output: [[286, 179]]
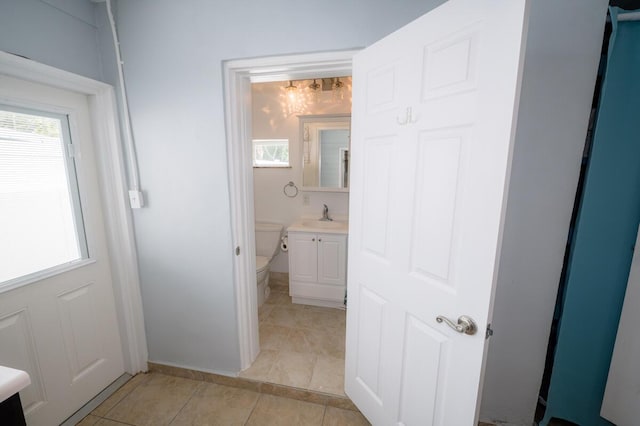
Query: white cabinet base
[[317, 268], [318, 302], [329, 296]]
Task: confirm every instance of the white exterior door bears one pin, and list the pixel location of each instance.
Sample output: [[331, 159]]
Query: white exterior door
[[59, 323], [621, 402], [434, 110]]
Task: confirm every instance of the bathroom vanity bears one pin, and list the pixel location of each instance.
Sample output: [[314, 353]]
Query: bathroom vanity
[[318, 262]]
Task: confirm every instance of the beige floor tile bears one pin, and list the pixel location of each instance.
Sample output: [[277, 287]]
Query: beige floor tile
[[107, 422], [118, 395], [264, 311], [321, 318], [292, 369], [300, 341], [279, 286], [217, 405], [328, 375], [276, 298], [274, 411], [338, 417], [319, 342], [291, 329], [261, 367], [90, 420], [154, 402], [283, 316], [273, 336]]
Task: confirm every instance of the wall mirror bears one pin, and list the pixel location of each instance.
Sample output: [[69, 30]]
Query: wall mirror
[[325, 152]]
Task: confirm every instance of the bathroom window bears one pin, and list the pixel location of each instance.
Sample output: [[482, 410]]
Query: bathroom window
[[270, 152]]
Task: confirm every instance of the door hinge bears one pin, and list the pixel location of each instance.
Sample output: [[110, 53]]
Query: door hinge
[[489, 332], [71, 150]]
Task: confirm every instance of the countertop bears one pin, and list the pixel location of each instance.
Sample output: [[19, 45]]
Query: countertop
[[317, 226], [12, 381]]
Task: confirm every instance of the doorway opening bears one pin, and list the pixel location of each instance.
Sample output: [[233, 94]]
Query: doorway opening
[[298, 130], [239, 77]]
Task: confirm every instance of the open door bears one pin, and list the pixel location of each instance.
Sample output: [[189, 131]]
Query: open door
[[434, 112]]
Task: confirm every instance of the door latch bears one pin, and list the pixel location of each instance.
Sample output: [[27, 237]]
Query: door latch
[[488, 332]]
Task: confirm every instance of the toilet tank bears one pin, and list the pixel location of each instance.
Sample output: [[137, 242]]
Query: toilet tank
[[268, 238]]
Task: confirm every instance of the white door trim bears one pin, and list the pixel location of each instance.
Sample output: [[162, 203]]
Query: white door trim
[[118, 218], [238, 76]]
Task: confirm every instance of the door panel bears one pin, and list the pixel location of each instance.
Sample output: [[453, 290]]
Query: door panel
[[425, 352], [430, 166], [80, 329], [18, 351], [377, 196], [332, 259], [60, 325], [304, 257]]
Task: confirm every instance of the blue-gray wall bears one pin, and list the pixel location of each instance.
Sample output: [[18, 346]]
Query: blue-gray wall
[[173, 53], [60, 33]]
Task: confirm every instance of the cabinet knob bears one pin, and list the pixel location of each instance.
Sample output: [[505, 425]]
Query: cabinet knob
[[319, 239], [313, 239]]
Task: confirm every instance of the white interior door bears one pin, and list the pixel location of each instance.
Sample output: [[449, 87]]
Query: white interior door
[[621, 402], [57, 312], [434, 109]]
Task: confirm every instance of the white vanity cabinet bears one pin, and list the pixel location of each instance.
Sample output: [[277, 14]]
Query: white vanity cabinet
[[317, 268]]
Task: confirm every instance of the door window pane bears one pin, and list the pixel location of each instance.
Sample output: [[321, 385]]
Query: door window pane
[[40, 217]]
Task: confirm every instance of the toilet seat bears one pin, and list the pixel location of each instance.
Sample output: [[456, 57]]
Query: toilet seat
[[261, 263]]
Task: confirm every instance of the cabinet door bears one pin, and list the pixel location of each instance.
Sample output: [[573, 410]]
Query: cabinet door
[[332, 259], [303, 256]]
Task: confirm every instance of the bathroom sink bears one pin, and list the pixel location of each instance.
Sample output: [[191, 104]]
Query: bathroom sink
[[315, 225], [323, 224]]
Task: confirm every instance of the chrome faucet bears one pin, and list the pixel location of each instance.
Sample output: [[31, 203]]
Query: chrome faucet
[[325, 213]]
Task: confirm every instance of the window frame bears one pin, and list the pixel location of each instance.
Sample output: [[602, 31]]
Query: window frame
[[270, 165], [75, 197]]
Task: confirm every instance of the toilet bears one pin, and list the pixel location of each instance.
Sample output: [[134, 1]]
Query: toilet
[[267, 246]]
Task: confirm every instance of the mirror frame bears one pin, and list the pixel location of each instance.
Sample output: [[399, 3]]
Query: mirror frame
[[318, 118]]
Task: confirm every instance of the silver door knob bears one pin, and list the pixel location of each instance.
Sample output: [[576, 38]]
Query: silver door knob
[[465, 324]]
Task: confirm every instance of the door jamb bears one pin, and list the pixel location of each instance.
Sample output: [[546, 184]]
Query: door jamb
[[238, 76], [113, 185]]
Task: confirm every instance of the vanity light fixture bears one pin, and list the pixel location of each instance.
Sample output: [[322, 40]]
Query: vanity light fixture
[[293, 97], [299, 96], [338, 90], [315, 90], [292, 91]]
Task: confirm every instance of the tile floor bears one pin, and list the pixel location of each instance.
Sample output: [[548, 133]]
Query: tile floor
[[300, 345], [159, 399]]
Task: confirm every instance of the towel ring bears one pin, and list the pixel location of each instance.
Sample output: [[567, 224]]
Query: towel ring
[[291, 193]]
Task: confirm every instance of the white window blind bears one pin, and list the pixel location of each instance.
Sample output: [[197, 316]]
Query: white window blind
[[40, 218]]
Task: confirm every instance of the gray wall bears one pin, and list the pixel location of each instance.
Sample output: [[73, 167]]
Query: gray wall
[[173, 53], [60, 33]]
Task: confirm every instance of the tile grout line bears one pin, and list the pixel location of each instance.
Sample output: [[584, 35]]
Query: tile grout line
[[324, 414], [201, 384], [119, 400], [253, 408]]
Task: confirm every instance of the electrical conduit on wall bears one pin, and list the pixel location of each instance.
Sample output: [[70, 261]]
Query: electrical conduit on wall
[[136, 199]]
